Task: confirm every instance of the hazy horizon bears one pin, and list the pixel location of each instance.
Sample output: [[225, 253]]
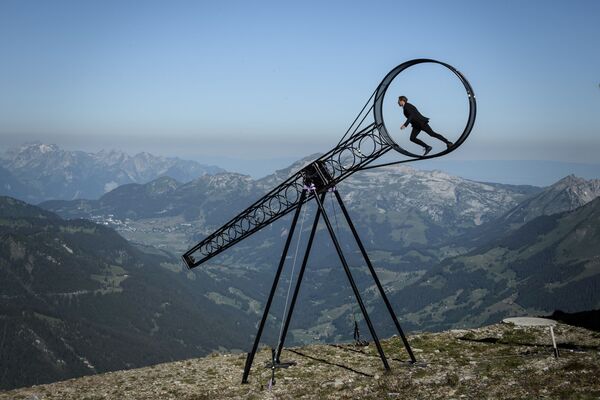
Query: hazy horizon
[[517, 172]]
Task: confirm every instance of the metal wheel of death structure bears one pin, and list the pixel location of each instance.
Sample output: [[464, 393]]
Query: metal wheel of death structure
[[380, 96], [362, 143]]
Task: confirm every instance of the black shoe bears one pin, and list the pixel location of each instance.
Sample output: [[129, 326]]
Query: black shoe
[[427, 150], [449, 144]]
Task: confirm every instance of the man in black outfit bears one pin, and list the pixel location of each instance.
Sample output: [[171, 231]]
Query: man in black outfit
[[419, 123]]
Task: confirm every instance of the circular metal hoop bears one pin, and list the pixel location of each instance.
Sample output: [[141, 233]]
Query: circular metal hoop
[[380, 95]]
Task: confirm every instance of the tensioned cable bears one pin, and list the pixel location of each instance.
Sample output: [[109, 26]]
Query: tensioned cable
[[287, 297], [357, 117], [363, 118]]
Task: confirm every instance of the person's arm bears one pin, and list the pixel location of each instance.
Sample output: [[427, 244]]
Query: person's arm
[[410, 111]]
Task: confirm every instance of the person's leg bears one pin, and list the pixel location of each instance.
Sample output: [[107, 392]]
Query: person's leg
[[413, 137], [427, 129]]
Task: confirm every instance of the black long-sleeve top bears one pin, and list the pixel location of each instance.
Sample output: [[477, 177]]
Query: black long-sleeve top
[[413, 116]]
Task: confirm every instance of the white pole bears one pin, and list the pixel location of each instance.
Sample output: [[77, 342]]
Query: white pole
[[554, 342]]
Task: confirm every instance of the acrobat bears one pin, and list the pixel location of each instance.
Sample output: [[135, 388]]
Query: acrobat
[[419, 123]]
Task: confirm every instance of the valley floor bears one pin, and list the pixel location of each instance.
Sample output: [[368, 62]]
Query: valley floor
[[494, 362]]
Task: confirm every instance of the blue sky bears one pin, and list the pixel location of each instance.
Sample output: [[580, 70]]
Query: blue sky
[[274, 80]]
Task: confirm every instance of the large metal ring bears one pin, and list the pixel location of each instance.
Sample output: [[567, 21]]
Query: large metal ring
[[380, 95]]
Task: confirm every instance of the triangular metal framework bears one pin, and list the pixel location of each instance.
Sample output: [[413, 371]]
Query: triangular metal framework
[[321, 213]]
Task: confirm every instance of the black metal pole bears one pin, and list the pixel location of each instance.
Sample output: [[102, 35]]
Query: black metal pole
[[363, 309], [250, 357], [375, 277], [313, 231]]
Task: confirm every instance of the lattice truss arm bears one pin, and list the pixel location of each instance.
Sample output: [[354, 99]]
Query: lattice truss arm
[[349, 156]]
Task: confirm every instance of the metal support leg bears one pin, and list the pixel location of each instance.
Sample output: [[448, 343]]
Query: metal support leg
[[363, 309], [298, 282], [375, 277], [250, 357]]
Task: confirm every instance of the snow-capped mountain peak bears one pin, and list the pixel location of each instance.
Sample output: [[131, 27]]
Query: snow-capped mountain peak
[[50, 172]]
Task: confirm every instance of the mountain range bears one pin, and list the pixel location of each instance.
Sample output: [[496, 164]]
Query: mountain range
[[78, 299], [410, 220], [35, 172], [398, 207], [450, 252]]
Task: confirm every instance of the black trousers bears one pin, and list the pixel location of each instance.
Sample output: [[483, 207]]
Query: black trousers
[[427, 129]]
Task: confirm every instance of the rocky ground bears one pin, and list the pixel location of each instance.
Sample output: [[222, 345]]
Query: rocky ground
[[494, 362]]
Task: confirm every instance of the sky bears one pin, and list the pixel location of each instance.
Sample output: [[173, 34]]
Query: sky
[[280, 80]]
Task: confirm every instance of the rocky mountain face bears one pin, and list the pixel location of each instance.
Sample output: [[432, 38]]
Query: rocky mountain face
[[429, 206], [493, 362], [435, 194], [567, 194], [41, 172], [78, 299]]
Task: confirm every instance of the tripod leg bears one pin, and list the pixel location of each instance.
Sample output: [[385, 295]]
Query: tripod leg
[[363, 309], [250, 357], [375, 277], [299, 281]]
